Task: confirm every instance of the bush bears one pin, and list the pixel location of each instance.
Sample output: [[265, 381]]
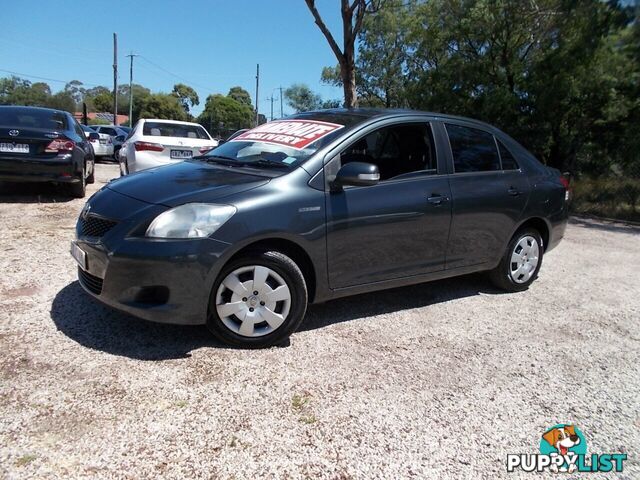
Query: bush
[[613, 197]]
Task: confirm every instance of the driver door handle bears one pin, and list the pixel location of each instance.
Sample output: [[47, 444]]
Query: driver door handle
[[436, 199], [514, 192]]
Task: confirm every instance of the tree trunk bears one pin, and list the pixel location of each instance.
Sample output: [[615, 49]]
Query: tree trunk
[[349, 85]]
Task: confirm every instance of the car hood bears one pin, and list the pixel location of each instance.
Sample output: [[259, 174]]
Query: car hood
[[185, 182]]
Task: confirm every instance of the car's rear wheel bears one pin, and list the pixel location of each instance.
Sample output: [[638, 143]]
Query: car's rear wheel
[[258, 300], [92, 178], [79, 189], [521, 262]]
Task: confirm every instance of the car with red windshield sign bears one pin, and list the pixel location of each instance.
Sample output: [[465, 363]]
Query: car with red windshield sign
[[315, 207]]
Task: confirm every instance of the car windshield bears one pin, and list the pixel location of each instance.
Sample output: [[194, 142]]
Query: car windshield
[[33, 118], [87, 129], [165, 129], [283, 143]]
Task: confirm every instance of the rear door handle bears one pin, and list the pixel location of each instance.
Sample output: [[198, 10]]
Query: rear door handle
[[436, 199], [514, 192]]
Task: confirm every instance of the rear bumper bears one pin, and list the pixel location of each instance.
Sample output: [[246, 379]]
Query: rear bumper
[[144, 160], [60, 168], [102, 150]]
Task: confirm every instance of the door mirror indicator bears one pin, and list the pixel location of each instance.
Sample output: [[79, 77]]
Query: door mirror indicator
[[357, 174]]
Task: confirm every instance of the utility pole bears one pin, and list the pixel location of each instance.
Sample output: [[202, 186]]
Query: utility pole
[[281, 112], [257, 85], [115, 78], [131, 55], [272, 99]]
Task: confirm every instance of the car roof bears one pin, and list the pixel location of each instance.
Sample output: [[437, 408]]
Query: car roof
[[369, 113], [28, 107], [160, 120]]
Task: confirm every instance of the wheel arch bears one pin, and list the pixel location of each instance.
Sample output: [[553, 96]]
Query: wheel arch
[[289, 248], [541, 225]]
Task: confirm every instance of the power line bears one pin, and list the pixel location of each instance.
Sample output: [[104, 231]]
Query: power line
[[172, 74], [46, 78]]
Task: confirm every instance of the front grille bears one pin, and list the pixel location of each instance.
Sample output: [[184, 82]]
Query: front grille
[[90, 282], [93, 226]]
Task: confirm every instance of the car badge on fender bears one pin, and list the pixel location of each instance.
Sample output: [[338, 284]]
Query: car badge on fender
[[14, 133]]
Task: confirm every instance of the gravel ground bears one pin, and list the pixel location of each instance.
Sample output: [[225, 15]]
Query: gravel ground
[[439, 380]]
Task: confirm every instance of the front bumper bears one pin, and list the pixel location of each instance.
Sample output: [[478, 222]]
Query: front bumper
[[167, 281], [59, 168]]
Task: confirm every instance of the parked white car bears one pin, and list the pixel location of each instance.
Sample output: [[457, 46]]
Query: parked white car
[[102, 146], [154, 143], [117, 134]]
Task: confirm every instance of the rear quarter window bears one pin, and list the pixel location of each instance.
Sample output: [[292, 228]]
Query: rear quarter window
[[508, 160], [473, 150]]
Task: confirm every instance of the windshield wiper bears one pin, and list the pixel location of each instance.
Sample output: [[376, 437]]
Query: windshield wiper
[[265, 163], [219, 159]]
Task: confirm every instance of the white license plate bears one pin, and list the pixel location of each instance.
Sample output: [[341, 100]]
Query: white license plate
[[79, 255], [14, 147], [181, 153], [103, 141]]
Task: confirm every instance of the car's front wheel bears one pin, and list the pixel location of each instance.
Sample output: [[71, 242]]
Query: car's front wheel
[[521, 263], [258, 300]]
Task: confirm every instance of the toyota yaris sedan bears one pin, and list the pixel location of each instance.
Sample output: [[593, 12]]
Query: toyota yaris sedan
[[314, 207]]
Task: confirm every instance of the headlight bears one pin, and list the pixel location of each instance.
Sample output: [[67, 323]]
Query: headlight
[[192, 220]]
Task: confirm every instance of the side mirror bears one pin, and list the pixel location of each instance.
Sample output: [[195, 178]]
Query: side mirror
[[357, 174], [94, 136]]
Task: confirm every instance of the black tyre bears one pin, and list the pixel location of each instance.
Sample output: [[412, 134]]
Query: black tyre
[[79, 189], [92, 178], [258, 300], [521, 262]]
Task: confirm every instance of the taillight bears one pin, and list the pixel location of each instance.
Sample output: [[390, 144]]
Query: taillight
[[60, 145], [204, 150], [109, 141], [142, 146], [567, 188]]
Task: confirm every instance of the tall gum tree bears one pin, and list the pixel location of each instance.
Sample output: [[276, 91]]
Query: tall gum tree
[[353, 13]]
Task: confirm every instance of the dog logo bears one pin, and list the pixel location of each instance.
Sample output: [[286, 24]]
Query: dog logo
[[567, 442], [563, 449]]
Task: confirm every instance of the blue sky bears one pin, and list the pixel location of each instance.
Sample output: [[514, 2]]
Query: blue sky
[[209, 45]]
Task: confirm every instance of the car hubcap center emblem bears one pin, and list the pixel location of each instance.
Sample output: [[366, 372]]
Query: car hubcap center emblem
[[253, 301]]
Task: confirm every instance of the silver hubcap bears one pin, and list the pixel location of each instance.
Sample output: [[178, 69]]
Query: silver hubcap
[[253, 301], [524, 259]]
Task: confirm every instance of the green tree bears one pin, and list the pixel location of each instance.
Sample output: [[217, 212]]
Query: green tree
[[240, 95], [164, 106], [103, 102], [558, 75], [223, 115], [75, 89], [300, 97], [186, 95]]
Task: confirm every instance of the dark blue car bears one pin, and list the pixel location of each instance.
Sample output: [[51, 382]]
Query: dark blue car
[[314, 207]]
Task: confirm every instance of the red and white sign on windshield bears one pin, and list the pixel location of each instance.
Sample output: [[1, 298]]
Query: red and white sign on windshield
[[290, 133]]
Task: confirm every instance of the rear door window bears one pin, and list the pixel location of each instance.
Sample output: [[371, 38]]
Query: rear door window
[[164, 129], [473, 150]]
